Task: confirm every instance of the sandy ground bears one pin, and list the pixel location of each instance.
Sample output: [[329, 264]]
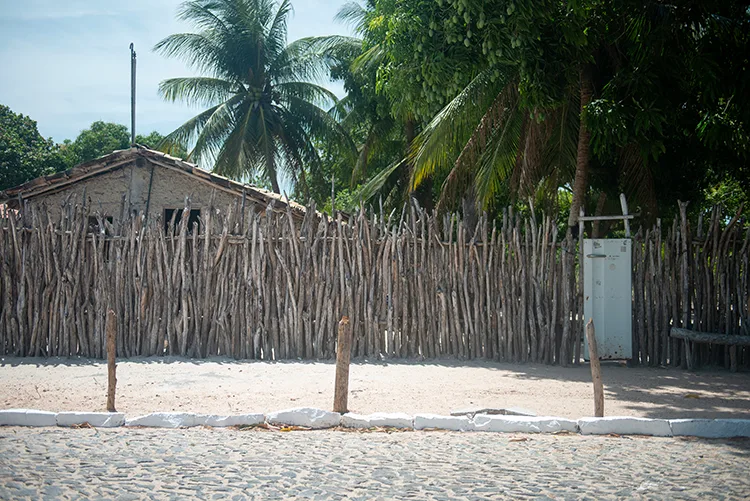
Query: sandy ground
[[221, 386]]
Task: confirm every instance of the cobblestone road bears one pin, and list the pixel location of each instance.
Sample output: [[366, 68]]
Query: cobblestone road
[[54, 463]]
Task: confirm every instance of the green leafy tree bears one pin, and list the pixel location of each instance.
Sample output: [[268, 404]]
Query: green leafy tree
[[264, 112], [381, 134], [24, 153], [102, 138], [587, 95], [155, 141]]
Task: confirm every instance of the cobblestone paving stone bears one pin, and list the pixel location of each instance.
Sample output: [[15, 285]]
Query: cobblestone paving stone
[[199, 463]]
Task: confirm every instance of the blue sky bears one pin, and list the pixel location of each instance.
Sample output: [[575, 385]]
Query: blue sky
[[66, 63]]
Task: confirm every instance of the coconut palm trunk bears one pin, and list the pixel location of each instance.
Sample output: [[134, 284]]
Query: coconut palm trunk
[[580, 183]]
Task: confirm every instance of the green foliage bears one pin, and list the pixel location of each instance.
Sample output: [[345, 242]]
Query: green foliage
[[264, 112], [24, 153], [729, 194], [102, 138], [150, 141], [665, 122], [156, 141]]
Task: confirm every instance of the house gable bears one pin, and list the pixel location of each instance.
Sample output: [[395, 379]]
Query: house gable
[[140, 180]]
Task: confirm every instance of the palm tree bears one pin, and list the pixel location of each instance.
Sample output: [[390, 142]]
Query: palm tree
[[263, 108], [486, 141]]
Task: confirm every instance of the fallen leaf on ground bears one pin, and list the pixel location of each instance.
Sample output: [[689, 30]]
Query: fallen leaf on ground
[[692, 395], [294, 428], [260, 426]]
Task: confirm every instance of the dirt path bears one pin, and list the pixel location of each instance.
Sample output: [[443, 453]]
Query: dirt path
[[226, 386]]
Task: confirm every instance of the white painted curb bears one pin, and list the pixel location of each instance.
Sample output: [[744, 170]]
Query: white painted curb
[[164, 420], [523, 424], [96, 419], [453, 423], [305, 416], [622, 425], [318, 418], [711, 428], [397, 420], [221, 421], [27, 417]]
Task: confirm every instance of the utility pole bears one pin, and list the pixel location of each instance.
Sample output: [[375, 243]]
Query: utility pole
[[132, 95]]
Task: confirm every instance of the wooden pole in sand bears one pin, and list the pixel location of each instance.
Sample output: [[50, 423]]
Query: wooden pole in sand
[[596, 370], [111, 367], [343, 355]]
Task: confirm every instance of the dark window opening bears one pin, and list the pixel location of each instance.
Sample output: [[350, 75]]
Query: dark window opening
[[193, 220], [95, 227]]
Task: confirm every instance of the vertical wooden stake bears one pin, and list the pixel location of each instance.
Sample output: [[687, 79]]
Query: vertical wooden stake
[[343, 355], [111, 367], [596, 370]]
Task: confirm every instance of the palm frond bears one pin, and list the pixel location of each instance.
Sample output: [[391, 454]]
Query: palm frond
[[236, 154], [275, 39], [496, 163], [637, 179], [215, 130], [311, 58], [376, 183], [186, 133], [200, 13], [438, 145], [369, 59], [203, 91], [318, 123], [376, 134], [195, 49], [313, 93], [353, 14]]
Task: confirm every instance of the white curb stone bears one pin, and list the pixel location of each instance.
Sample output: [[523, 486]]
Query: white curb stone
[[305, 416], [97, 419], [397, 420], [164, 420], [625, 426], [237, 420], [27, 417], [711, 428], [453, 423], [523, 424]]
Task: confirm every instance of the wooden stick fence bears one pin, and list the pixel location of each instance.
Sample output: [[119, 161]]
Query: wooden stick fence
[[269, 287]]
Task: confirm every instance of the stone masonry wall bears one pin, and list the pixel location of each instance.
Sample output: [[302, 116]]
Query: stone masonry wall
[[168, 191]]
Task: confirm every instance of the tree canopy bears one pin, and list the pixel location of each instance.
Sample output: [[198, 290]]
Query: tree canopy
[[264, 108], [102, 138], [462, 104], [538, 98], [24, 153]]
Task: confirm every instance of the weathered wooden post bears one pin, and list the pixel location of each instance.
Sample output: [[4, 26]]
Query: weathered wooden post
[[596, 370], [111, 367], [343, 355]]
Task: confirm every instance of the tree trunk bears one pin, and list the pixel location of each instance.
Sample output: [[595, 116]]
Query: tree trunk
[[409, 135], [275, 185], [469, 206], [272, 174], [599, 210], [580, 184]]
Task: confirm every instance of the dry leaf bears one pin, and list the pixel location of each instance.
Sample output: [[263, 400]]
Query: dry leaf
[[692, 395], [294, 428]]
